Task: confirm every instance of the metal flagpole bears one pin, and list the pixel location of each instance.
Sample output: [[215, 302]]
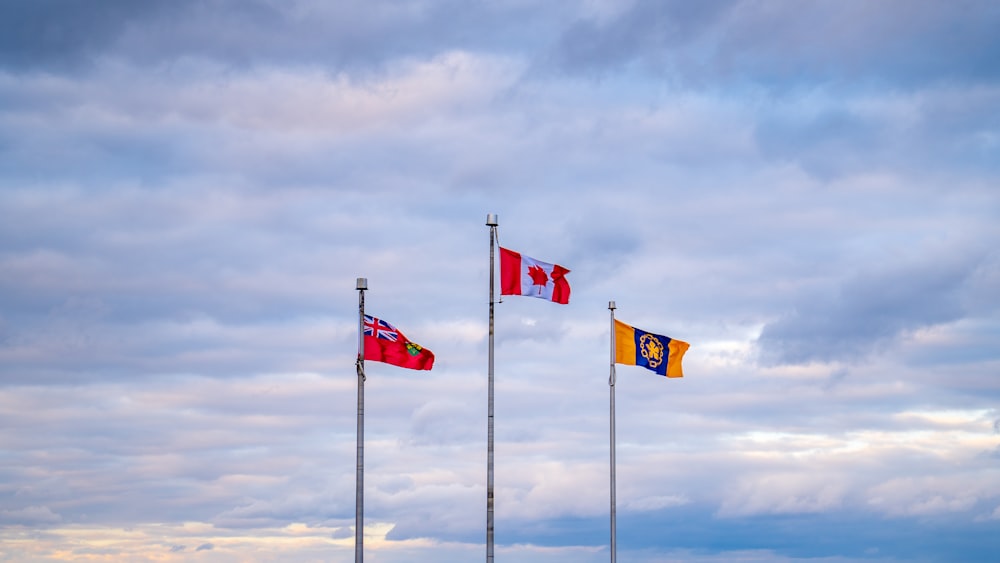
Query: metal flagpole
[[491, 222], [359, 501], [611, 384]]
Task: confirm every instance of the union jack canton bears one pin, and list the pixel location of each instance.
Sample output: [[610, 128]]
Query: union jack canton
[[380, 329]]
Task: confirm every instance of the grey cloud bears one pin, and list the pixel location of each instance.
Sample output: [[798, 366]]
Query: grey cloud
[[63, 34], [205, 547], [647, 30], [442, 422], [845, 42], [52, 34], [786, 44], [33, 515], [827, 145], [939, 127], [342, 533], [867, 311]]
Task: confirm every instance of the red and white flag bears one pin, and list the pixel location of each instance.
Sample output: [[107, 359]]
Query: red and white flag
[[386, 343], [523, 275]]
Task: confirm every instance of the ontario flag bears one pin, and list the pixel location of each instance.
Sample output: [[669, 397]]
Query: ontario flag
[[523, 275], [385, 343]]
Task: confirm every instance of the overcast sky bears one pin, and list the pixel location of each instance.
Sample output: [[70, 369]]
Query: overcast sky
[[806, 192]]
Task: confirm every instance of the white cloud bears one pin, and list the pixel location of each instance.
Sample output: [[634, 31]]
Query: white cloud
[[933, 495], [784, 493]]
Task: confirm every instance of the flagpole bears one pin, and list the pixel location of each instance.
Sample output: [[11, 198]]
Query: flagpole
[[359, 487], [611, 384], [491, 222]]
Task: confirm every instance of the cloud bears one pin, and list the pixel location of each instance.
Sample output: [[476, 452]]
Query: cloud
[[868, 311], [784, 494], [929, 496], [29, 516], [782, 47], [341, 35], [645, 30], [61, 35]]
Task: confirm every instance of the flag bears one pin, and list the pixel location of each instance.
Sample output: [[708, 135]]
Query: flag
[[522, 275], [385, 343], [636, 347]]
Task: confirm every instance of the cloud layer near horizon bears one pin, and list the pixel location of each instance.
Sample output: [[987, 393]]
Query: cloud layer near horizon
[[808, 196]]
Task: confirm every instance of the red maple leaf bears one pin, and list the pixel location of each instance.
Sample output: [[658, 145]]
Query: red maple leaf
[[538, 276]]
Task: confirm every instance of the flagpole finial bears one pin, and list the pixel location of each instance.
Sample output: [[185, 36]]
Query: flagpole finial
[[362, 284], [611, 305], [491, 220]]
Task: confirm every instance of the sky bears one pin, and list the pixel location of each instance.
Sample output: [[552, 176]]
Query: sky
[[807, 193]]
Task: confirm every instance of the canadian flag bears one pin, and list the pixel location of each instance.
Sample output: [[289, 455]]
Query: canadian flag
[[523, 275]]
